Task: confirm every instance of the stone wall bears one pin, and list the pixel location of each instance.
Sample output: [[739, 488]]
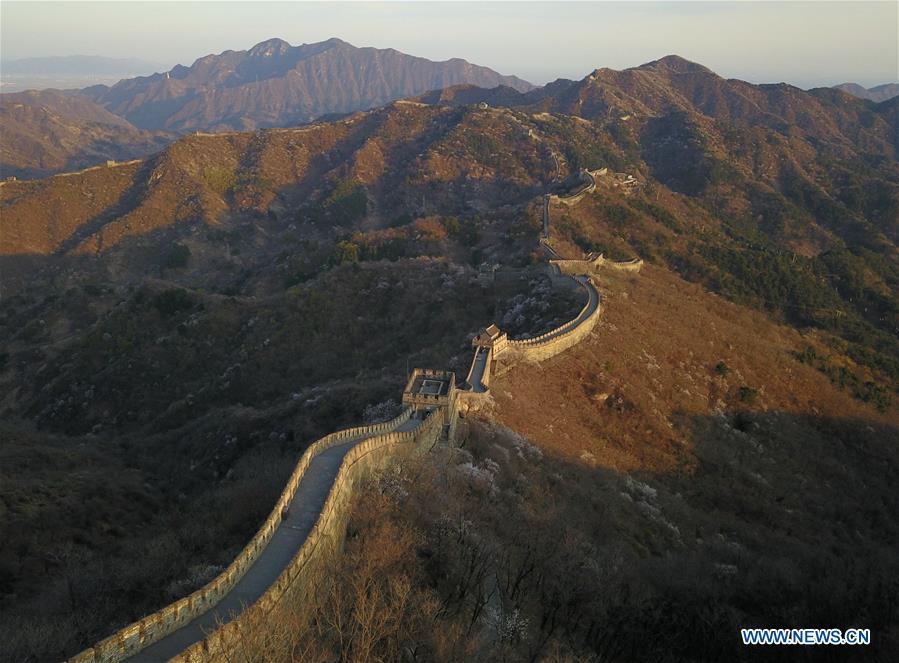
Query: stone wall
[[576, 267], [557, 340], [108, 164], [134, 637], [299, 578], [594, 265], [383, 446], [574, 198], [628, 266]]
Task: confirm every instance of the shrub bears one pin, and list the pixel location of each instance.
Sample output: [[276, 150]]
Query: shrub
[[169, 302], [486, 148], [469, 235], [347, 203], [747, 394], [176, 257], [807, 356], [619, 215], [659, 214], [221, 180], [451, 225], [94, 290], [345, 251]]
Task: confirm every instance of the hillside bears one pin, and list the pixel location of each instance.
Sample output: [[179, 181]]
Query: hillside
[[50, 131], [130, 414], [276, 84], [190, 321], [783, 199], [677, 476], [369, 172], [666, 355], [776, 154]]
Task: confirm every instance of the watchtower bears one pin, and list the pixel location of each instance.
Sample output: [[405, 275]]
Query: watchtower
[[432, 393], [492, 337]]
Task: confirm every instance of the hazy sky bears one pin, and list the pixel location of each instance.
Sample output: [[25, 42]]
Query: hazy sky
[[804, 43]]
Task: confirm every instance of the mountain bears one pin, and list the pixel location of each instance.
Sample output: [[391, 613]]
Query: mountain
[[673, 84], [501, 95], [749, 176], [272, 84], [174, 331], [276, 84], [51, 131], [78, 65], [878, 93], [327, 176], [760, 192], [679, 123]]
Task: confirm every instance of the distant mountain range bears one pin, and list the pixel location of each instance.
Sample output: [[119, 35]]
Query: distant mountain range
[[675, 88], [78, 65], [276, 84], [879, 93], [272, 84]]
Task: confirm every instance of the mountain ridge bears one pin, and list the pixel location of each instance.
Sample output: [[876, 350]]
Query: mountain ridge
[[48, 131], [877, 94], [276, 84]]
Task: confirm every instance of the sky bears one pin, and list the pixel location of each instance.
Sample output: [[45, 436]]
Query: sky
[[804, 43]]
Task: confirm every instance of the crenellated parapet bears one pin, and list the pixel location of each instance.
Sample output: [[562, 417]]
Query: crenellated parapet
[[300, 579], [589, 186], [563, 337], [593, 264], [135, 637]]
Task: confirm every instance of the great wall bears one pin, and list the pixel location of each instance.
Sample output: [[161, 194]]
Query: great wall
[[307, 523], [109, 164]]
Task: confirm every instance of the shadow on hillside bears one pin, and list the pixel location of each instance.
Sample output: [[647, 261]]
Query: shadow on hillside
[[779, 520]]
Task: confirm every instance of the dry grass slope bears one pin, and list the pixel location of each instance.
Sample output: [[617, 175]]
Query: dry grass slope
[[663, 352]]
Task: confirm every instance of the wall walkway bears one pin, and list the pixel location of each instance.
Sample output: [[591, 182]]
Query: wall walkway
[[479, 373], [300, 576], [172, 619]]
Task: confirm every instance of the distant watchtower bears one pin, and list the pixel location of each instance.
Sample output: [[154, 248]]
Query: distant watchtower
[[492, 337], [432, 393]]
